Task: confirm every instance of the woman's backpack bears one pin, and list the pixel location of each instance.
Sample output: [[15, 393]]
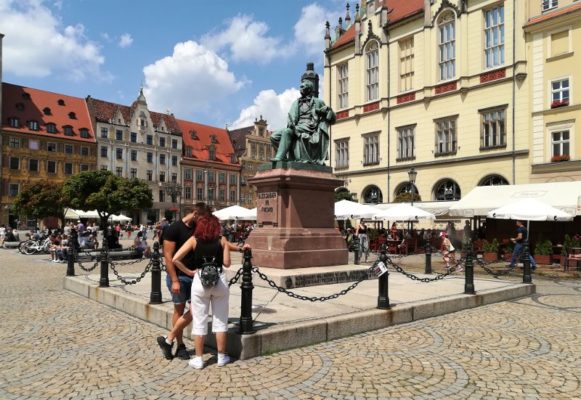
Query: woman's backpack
[[210, 273]]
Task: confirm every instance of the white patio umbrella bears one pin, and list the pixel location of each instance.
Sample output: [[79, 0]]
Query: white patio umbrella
[[234, 212], [119, 218], [345, 209], [76, 214], [403, 212], [529, 209]]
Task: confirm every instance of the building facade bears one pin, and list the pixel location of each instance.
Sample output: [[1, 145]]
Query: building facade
[[210, 170], [134, 142], [553, 37], [440, 86], [45, 136], [252, 146]]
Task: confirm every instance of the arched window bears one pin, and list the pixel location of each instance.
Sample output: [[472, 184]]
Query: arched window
[[493, 180], [447, 46], [372, 194], [446, 190], [372, 71], [405, 187]]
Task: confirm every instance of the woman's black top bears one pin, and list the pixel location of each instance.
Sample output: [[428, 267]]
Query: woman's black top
[[208, 250]]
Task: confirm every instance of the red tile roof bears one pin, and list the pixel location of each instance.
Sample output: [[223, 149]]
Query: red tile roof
[[553, 14], [400, 9], [105, 111], [28, 104], [200, 146]]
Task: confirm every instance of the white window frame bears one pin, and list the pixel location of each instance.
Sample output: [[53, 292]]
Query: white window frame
[[560, 91], [547, 5], [494, 31], [65, 165], [371, 149], [342, 153], [372, 71], [447, 45], [561, 142], [446, 136], [493, 128], [343, 85], [406, 142], [11, 186], [406, 64]]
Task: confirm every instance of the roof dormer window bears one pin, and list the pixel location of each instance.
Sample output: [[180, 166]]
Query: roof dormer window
[[68, 130], [47, 111], [61, 102], [213, 139], [14, 122], [72, 115], [33, 125], [20, 106], [212, 152], [51, 128], [84, 132]]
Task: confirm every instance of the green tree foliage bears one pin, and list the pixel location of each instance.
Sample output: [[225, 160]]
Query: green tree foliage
[[107, 193], [406, 197], [42, 199], [342, 194]]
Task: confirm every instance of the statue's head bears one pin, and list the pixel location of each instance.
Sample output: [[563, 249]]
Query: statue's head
[[307, 87]]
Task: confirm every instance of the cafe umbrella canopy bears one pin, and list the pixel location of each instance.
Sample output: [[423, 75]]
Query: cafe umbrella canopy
[[235, 213], [345, 209], [403, 212]]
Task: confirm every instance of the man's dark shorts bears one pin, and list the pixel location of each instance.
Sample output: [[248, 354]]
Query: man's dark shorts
[[185, 289]]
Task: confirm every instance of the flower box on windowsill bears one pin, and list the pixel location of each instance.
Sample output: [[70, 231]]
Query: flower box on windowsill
[[563, 157], [559, 103]]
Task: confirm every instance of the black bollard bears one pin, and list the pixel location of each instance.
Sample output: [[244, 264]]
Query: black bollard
[[71, 253], [383, 291], [246, 288], [356, 249], [469, 272], [428, 269], [104, 280], [526, 270], [155, 296]]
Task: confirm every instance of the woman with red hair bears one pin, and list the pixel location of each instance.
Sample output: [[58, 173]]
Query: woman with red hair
[[206, 243]]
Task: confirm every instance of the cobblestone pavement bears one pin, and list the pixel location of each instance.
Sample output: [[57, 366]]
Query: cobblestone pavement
[[57, 345]]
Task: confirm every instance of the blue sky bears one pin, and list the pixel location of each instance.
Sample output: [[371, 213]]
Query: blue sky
[[215, 62]]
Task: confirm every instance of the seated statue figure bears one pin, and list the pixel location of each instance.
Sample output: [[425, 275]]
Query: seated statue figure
[[306, 137]]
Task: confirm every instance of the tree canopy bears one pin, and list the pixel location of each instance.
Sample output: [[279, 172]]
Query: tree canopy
[[107, 193], [406, 197], [42, 199]]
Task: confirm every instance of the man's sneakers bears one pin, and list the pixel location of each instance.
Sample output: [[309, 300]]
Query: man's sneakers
[[196, 362], [223, 359], [182, 352], [165, 347]]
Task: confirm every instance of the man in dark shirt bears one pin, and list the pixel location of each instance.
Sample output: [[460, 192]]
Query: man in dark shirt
[[521, 236]]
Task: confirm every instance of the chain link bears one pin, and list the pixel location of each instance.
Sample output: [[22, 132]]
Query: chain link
[[236, 277], [484, 265], [417, 278], [312, 299], [130, 281]]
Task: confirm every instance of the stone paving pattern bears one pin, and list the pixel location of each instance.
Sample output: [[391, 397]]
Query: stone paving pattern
[[57, 345]]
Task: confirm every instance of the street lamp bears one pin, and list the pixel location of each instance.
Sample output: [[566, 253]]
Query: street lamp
[[174, 189], [412, 173]]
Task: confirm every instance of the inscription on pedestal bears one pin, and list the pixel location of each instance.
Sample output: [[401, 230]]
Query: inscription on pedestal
[[267, 208]]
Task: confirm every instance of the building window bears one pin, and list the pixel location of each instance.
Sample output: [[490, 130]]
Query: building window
[[343, 85], [33, 125], [33, 165], [406, 139], [72, 115], [493, 129], [549, 4], [150, 158], [221, 195], [253, 150], [14, 122], [104, 151], [133, 173], [447, 190], [446, 136], [212, 153], [493, 180], [68, 130], [133, 155], [68, 168], [199, 175], [14, 143], [47, 111], [13, 189], [211, 195], [371, 149], [200, 193], [149, 175], [188, 174], [372, 194], [211, 177], [447, 47], [372, 72], [233, 179], [14, 163], [133, 137], [50, 128], [494, 37], [560, 142], [161, 142], [84, 151], [84, 167], [188, 193], [161, 196], [174, 178], [162, 159], [51, 147], [84, 132], [119, 154], [342, 153], [221, 177], [560, 93], [174, 161], [104, 168], [68, 149], [174, 144], [261, 154], [406, 64], [162, 176], [104, 133], [232, 196], [149, 140]]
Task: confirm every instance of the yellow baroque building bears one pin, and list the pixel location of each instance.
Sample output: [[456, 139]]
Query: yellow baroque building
[[439, 86]]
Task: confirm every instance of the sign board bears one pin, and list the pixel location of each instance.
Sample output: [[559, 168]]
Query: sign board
[[267, 208], [380, 268]]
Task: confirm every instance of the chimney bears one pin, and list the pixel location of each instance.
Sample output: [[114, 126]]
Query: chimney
[[427, 12]]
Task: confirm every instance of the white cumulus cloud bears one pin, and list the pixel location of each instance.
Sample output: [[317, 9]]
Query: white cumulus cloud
[[309, 30], [272, 106], [192, 78], [38, 45], [125, 40]]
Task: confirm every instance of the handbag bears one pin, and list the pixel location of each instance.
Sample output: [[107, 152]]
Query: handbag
[[210, 273]]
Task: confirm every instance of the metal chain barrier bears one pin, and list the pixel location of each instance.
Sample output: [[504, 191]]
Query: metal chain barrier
[[235, 278], [130, 281], [485, 267], [312, 299], [417, 278]]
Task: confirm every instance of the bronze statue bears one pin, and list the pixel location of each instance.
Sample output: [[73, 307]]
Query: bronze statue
[[306, 137]]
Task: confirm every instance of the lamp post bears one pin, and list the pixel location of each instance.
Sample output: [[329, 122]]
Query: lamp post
[[174, 189], [412, 173]]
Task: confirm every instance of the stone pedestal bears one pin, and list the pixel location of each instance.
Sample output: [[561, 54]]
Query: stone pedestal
[[295, 217]]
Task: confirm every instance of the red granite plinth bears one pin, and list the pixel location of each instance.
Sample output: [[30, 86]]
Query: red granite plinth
[[295, 218]]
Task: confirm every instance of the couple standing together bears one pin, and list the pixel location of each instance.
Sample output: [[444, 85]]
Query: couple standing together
[[187, 243]]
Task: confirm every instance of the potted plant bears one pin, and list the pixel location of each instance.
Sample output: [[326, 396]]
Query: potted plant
[[561, 157], [490, 250], [508, 248], [568, 243], [543, 252]]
